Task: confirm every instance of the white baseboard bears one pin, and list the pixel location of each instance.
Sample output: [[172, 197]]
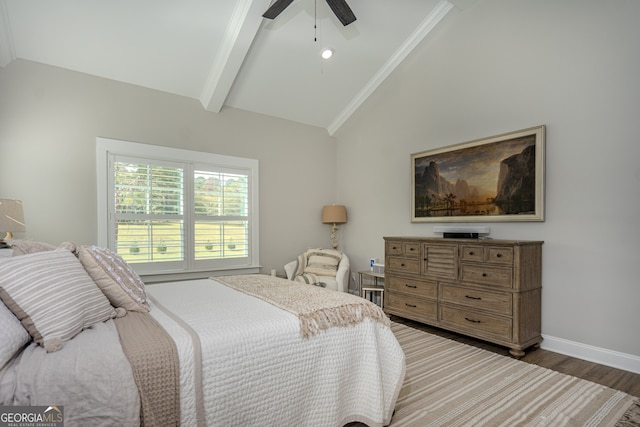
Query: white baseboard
[[603, 356]]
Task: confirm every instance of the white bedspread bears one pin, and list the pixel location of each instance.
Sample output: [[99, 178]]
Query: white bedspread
[[259, 371]]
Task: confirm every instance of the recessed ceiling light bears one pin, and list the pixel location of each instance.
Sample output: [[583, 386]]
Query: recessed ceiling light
[[327, 53]]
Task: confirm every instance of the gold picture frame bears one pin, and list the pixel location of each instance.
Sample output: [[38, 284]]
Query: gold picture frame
[[494, 179]]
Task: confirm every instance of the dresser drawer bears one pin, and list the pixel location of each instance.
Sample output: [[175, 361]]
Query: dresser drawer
[[499, 255], [480, 325], [421, 288], [487, 275], [403, 265], [492, 254], [410, 307], [472, 253], [496, 302], [406, 249], [411, 249], [393, 247]]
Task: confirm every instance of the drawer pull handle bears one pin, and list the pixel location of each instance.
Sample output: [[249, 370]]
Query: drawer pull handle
[[410, 305], [471, 320], [470, 297], [410, 286], [395, 247], [410, 249], [499, 255], [472, 253], [484, 274], [402, 265]]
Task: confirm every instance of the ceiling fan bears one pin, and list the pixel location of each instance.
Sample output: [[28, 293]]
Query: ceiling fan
[[340, 8]]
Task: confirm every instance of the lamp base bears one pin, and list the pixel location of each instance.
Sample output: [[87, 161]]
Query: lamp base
[[3, 244], [334, 236]]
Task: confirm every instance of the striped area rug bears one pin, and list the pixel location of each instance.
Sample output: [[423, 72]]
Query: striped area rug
[[454, 384]]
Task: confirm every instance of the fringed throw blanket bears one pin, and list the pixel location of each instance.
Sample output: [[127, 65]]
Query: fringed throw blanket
[[154, 361], [317, 309]]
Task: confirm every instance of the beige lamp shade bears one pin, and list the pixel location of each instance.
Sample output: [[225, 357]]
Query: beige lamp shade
[[334, 214], [11, 216]]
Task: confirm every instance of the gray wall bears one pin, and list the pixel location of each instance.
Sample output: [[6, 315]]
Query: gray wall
[[49, 121], [505, 65]]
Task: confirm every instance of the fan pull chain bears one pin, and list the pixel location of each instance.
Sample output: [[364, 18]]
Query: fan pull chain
[[315, 20]]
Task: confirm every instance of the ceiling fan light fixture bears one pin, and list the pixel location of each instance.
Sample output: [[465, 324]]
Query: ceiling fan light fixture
[[326, 53]]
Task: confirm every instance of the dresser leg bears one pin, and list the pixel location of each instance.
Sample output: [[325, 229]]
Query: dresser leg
[[517, 353]]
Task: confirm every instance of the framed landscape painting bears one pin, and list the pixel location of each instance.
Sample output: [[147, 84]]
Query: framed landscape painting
[[495, 179]]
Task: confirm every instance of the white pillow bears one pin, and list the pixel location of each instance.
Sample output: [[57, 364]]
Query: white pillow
[[13, 335], [52, 295], [122, 286]]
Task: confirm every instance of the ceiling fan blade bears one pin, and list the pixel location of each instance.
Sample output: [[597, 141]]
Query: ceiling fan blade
[[276, 8], [342, 11]]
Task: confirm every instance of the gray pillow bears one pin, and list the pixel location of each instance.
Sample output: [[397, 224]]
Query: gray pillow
[[13, 335], [52, 295]]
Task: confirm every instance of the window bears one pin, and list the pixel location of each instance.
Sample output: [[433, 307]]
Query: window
[[167, 210]]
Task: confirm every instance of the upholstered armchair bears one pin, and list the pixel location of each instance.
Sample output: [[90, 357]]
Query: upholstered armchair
[[328, 268]]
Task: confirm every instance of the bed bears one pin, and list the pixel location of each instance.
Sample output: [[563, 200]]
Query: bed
[[229, 351]]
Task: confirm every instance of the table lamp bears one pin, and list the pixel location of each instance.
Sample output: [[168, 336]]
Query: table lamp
[[11, 219], [334, 214]]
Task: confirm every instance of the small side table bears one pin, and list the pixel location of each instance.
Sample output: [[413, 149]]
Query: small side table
[[375, 288]]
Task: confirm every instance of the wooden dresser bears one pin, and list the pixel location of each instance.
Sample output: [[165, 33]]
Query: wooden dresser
[[488, 289]]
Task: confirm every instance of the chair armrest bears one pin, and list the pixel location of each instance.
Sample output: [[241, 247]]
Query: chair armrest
[[290, 269], [342, 275]]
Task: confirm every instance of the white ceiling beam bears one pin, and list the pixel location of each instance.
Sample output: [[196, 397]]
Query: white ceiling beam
[[242, 29], [7, 50], [434, 17]]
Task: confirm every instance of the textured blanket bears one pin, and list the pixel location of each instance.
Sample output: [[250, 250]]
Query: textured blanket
[[154, 361], [257, 370], [317, 309]]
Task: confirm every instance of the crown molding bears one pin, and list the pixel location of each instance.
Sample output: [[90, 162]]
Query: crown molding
[[7, 50], [436, 15]]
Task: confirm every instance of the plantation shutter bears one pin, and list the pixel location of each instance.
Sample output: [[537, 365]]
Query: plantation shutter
[[221, 214], [173, 216], [149, 211]]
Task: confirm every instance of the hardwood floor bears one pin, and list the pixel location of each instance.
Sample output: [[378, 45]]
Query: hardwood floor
[[617, 379]]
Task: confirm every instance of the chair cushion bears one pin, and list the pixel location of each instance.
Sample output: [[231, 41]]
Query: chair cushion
[[322, 262], [328, 282]]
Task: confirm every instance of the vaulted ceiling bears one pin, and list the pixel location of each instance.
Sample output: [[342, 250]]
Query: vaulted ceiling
[[223, 52]]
